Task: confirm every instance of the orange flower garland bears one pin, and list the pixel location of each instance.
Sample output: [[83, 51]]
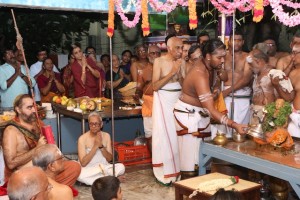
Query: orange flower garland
[[111, 18], [258, 10], [192, 14], [145, 21]]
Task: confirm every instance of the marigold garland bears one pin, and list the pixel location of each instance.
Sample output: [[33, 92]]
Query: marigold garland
[[258, 11], [111, 18], [145, 21], [193, 21]]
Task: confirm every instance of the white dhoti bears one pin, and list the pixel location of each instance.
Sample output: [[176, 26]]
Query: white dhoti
[[148, 125], [188, 116], [241, 110], [294, 125], [165, 155], [99, 167]]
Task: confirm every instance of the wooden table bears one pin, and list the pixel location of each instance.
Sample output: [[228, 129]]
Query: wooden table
[[105, 114], [249, 190], [268, 160]]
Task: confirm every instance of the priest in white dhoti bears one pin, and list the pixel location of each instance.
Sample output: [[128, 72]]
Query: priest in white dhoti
[[95, 153], [167, 77]]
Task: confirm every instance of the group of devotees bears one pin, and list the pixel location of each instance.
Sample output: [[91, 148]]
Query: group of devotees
[[179, 91]]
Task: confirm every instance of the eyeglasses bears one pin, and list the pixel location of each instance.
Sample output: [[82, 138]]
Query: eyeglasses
[[295, 52], [90, 52], [155, 53], [60, 158], [96, 124], [48, 189], [270, 44], [142, 51]]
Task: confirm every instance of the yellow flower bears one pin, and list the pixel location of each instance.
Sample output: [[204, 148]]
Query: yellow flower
[[193, 21], [145, 21]]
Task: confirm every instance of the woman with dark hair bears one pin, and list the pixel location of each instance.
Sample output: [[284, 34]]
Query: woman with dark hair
[[49, 82], [126, 63]]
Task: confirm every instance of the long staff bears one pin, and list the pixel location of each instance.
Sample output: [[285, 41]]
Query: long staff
[[19, 45], [233, 67]]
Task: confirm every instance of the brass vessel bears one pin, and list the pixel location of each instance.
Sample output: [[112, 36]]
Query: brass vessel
[[256, 131], [220, 139]]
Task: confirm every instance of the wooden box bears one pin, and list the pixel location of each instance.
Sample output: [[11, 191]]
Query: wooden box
[[249, 190]]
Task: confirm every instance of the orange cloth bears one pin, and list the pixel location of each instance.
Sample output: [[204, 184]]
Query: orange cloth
[[48, 98], [70, 174], [220, 105], [147, 105]]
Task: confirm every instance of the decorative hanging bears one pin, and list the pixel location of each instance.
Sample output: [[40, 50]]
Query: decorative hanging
[[168, 6], [125, 20], [283, 17], [145, 21], [258, 11], [193, 21], [111, 18]]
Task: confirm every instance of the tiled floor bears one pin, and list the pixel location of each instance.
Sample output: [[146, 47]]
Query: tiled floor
[[140, 184]]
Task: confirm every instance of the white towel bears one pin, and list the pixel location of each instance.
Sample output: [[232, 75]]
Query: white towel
[[284, 82]]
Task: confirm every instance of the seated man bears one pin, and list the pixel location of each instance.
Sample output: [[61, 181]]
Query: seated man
[[50, 159], [107, 188], [95, 151], [22, 136], [28, 183]]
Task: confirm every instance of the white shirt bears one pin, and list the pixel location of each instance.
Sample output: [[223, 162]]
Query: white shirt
[[34, 70]]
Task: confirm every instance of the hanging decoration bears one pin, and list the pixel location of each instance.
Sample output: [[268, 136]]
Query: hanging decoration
[[111, 18], [193, 21], [258, 11], [168, 6], [145, 21], [283, 17], [125, 20]]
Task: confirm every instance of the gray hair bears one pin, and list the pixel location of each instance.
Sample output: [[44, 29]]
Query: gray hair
[[25, 183], [262, 53], [44, 155], [95, 114]]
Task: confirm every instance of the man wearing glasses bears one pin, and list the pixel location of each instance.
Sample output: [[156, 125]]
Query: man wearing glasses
[[145, 91], [29, 183], [95, 153], [50, 159]]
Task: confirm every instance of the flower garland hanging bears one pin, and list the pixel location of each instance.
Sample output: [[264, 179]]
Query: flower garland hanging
[[145, 21], [125, 20], [225, 7], [284, 17], [183, 2], [168, 6], [290, 4], [258, 11], [111, 18], [193, 21]]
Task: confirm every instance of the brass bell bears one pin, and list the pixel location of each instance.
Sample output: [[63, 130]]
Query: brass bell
[[256, 131]]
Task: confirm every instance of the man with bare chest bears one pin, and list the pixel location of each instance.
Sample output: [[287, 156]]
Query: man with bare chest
[[141, 52], [286, 63], [195, 107], [294, 125], [145, 91], [240, 111], [167, 78], [22, 136]]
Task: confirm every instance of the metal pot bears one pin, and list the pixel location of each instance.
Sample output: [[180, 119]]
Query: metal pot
[[238, 137]]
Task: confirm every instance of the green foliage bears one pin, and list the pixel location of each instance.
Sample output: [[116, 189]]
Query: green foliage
[[278, 121]]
